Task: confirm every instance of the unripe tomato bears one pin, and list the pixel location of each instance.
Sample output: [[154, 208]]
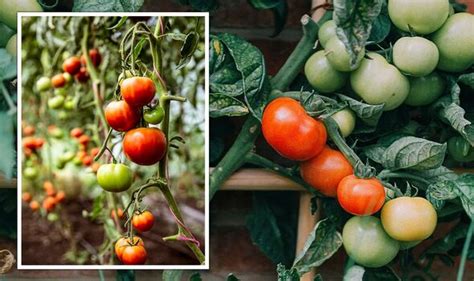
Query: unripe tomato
[[291, 131], [121, 116], [345, 120], [408, 218], [11, 8], [69, 104], [133, 255], [423, 17], [154, 115], [360, 197], [82, 76], [61, 92], [49, 203], [339, 57], [114, 177], [43, 84], [425, 90], [67, 77], [34, 205], [26, 197], [460, 150], [11, 46], [143, 221], [138, 91], [58, 81], [72, 65], [326, 32], [455, 42], [30, 173], [322, 75], [28, 130], [77, 132], [366, 242], [56, 102], [95, 56], [416, 56], [324, 171], [145, 146], [387, 85], [124, 242]]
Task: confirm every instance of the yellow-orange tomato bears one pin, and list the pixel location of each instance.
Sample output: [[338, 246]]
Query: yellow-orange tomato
[[49, 203], [26, 196], [34, 205]]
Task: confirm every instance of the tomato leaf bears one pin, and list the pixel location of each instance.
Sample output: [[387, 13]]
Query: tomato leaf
[[368, 113], [7, 145], [448, 242], [196, 276], [467, 79], [414, 153], [323, 241], [189, 47], [287, 274], [382, 273], [172, 275], [380, 27], [279, 9], [107, 5], [231, 277], [223, 105], [7, 65], [354, 19]]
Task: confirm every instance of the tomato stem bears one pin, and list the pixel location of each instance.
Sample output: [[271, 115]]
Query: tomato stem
[[465, 251], [386, 174]]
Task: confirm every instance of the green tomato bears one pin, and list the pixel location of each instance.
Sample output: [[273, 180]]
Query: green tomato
[[422, 16], [460, 150], [77, 161], [67, 77], [321, 75], [56, 133], [338, 56], [66, 157], [326, 32], [31, 173], [11, 46], [69, 105], [455, 42], [416, 56], [11, 8], [56, 102], [60, 92], [63, 115], [6, 32], [378, 82], [155, 115], [43, 84], [114, 177], [53, 217], [367, 243], [425, 90], [345, 120]]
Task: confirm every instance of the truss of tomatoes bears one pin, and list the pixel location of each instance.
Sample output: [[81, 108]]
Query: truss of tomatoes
[[405, 221]]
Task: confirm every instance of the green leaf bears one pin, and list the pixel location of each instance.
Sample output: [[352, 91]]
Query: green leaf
[[201, 5], [107, 5], [448, 241], [224, 77], [231, 277], [272, 224], [368, 113], [380, 27], [414, 153], [195, 277], [382, 273], [7, 144], [374, 153], [189, 47], [321, 244], [172, 275], [279, 9], [7, 65], [354, 19], [467, 79], [223, 105], [287, 274], [125, 275]]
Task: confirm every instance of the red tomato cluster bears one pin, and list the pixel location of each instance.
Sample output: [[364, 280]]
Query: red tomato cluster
[[143, 145], [76, 66], [50, 199], [31, 144], [83, 156]]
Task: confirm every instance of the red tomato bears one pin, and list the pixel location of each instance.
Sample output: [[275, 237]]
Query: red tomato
[[95, 56], [138, 91], [72, 65], [39, 142], [29, 143], [87, 160], [60, 196], [34, 205], [119, 211], [144, 146], [360, 197], [143, 221], [82, 76], [84, 140], [58, 81], [291, 131], [28, 131], [26, 196], [77, 132], [326, 170], [94, 151], [121, 116], [49, 203], [132, 255]]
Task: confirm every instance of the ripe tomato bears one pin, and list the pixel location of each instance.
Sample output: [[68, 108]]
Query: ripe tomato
[[322, 75], [291, 131], [82, 76], [119, 211], [34, 205], [114, 177], [425, 90], [121, 116], [422, 17], [28, 131], [345, 120], [77, 132], [366, 242], [39, 142], [145, 146], [326, 32], [60, 197], [95, 56], [416, 56], [326, 170], [133, 255], [360, 197], [58, 81], [29, 142], [408, 218], [338, 56], [84, 140], [26, 196], [154, 115], [124, 242], [49, 203], [72, 65], [43, 84], [138, 91], [143, 221], [87, 160]]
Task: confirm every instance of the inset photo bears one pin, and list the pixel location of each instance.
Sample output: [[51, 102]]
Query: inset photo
[[112, 141]]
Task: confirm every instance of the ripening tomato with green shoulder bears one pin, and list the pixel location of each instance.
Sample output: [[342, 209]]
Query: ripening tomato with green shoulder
[[460, 149], [58, 81], [124, 242], [360, 197], [138, 91], [114, 177], [145, 146], [322, 75], [324, 171], [409, 218], [143, 221], [289, 130], [326, 32], [72, 65], [366, 242], [121, 116]]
